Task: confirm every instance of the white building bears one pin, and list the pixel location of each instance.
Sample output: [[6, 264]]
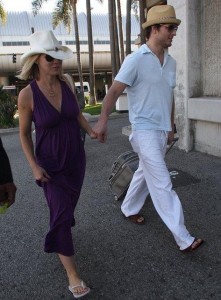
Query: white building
[[197, 50], [14, 40]]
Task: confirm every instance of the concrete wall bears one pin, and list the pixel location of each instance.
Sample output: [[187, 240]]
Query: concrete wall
[[179, 51], [211, 47], [197, 51], [205, 114]]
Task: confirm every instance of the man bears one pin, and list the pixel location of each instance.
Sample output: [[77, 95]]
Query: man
[[7, 187], [149, 74]]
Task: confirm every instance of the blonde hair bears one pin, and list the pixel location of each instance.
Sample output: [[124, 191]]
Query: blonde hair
[[30, 69], [69, 80]]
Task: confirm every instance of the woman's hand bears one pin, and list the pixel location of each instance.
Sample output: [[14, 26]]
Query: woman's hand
[[40, 174], [93, 135]]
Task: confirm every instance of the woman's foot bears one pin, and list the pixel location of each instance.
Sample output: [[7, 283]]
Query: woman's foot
[[79, 290]]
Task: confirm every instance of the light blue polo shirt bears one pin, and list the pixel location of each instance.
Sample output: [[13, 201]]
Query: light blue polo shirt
[[150, 88]]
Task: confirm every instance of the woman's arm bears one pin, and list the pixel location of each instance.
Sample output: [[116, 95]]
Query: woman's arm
[[86, 126], [25, 109], [81, 119]]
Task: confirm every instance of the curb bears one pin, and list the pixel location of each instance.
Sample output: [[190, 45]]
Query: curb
[[9, 130], [90, 118]]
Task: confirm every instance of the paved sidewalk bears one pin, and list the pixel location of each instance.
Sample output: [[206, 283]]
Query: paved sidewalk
[[118, 259]]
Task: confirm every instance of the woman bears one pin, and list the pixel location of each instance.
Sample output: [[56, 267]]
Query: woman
[[58, 162]]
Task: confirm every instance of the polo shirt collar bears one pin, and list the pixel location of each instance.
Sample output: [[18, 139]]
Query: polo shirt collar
[[145, 49]]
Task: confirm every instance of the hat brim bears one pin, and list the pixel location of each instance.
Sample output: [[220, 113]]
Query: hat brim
[[160, 21], [62, 53]]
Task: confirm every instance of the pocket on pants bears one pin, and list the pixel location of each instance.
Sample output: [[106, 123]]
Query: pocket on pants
[[132, 142]]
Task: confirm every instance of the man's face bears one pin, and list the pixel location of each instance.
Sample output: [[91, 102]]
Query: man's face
[[166, 34]]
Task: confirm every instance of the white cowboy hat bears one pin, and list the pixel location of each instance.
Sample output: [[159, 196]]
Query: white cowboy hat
[[161, 14], [44, 42]]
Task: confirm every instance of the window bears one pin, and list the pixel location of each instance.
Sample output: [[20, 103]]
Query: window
[[16, 43], [74, 42], [97, 42]]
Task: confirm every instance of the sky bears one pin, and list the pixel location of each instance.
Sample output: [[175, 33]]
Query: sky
[[25, 5]]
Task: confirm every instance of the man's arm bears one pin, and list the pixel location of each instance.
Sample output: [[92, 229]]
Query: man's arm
[[171, 133], [109, 101]]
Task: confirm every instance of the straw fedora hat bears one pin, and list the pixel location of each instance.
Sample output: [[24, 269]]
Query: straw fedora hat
[[161, 14], [44, 42]]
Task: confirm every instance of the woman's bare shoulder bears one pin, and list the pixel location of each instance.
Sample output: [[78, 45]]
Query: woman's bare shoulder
[[25, 96]]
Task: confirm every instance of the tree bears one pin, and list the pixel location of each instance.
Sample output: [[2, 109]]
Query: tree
[[116, 39], [77, 40], [112, 43], [8, 109], [142, 6], [3, 14], [91, 53], [128, 27], [63, 12], [120, 30]]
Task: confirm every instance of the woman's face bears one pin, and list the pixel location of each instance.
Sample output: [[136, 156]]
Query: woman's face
[[49, 65]]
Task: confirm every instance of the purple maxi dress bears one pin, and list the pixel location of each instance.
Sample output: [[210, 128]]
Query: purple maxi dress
[[60, 151]]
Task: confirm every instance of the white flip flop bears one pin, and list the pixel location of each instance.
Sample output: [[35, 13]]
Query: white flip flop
[[81, 285]]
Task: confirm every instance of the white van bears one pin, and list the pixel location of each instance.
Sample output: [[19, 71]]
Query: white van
[[86, 88]]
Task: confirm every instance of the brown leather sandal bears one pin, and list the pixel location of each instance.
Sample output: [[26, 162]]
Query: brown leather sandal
[[136, 219], [196, 244]]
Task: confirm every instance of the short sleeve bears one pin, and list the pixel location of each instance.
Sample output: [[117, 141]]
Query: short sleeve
[[128, 71]]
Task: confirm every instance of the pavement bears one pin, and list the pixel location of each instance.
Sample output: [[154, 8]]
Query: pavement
[[117, 259]]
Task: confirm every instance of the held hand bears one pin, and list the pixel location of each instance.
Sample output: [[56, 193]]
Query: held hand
[[100, 130], [9, 189], [93, 135], [40, 174]]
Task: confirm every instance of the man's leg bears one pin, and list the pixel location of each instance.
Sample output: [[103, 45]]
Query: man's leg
[[136, 194], [137, 191], [152, 145]]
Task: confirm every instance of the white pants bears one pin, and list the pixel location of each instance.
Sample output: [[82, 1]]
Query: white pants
[[152, 176]]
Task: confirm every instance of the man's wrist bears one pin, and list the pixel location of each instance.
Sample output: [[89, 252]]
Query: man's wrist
[[103, 119]]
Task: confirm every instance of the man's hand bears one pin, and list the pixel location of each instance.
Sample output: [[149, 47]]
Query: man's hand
[[100, 130], [108, 104], [170, 137], [9, 189]]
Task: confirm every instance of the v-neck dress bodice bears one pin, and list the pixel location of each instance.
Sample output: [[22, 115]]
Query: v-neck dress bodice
[[59, 147], [60, 151]]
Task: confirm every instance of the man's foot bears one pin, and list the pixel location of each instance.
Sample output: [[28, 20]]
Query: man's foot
[[196, 244], [137, 219]]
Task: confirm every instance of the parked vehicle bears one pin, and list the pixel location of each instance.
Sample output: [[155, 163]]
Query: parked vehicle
[[86, 88]]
